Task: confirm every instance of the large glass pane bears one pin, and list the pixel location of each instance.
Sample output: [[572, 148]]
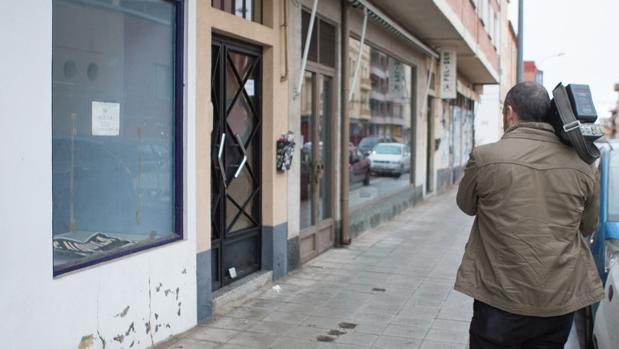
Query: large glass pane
[[113, 126], [324, 150], [381, 114], [307, 175]]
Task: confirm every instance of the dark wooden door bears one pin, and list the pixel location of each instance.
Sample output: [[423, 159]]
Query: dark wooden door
[[235, 167]]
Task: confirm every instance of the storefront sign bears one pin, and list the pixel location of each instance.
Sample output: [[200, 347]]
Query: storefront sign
[[105, 119], [396, 79], [448, 74]]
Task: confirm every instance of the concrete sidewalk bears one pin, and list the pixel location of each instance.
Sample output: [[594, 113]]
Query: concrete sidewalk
[[392, 288]]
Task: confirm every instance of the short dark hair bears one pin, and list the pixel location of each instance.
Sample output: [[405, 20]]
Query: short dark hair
[[529, 100]]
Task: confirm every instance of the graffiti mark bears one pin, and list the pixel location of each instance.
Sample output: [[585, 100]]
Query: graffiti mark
[[120, 338], [184, 271], [167, 292], [158, 288], [132, 344], [156, 316], [147, 327], [123, 313], [177, 291], [86, 341]]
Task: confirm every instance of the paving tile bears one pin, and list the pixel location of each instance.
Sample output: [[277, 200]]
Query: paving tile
[[428, 344], [230, 323], [214, 334], [357, 339], [289, 343], [288, 317], [391, 342], [194, 344], [406, 331], [254, 340], [442, 324], [274, 328], [450, 336], [249, 313]]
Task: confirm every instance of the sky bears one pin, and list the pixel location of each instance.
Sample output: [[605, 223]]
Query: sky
[[587, 32]]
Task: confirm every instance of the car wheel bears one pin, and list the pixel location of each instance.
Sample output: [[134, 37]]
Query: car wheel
[[400, 171], [366, 180], [589, 340]]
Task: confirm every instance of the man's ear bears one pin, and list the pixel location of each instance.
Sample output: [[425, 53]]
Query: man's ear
[[512, 117]]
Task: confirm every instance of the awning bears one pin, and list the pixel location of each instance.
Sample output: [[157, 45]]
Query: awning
[[381, 18]]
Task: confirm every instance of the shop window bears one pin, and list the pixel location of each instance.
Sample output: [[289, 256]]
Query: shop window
[[116, 128], [250, 10], [322, 44], [381, 128]]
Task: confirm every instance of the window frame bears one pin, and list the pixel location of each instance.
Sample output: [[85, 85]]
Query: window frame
[[179, 234]]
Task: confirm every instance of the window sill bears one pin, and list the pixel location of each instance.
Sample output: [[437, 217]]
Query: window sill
[[89, 263]]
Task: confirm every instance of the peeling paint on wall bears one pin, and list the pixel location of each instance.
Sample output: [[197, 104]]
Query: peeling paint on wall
[[120, 338], [123, 313], [86, 341]]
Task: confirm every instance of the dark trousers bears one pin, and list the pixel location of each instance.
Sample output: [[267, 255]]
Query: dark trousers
[[495, 328]]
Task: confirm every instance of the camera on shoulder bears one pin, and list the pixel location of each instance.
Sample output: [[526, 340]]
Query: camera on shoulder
[[573, 116]]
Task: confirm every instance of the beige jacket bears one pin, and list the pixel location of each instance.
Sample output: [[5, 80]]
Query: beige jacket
[[535, 201]]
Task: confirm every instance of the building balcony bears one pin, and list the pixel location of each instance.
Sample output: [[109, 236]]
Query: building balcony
[[449, 23]]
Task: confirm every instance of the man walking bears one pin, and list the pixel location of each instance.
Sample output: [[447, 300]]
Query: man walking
[[527, 263]]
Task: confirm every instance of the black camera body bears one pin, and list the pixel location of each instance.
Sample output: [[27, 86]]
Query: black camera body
[[573, 116]]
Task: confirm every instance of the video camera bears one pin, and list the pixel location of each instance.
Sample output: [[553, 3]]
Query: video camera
[[573, 116]]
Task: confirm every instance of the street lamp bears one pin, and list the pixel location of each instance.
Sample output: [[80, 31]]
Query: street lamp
[[551, 56], [540, 71]]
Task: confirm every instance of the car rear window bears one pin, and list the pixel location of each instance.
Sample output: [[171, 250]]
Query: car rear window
[[388, 149], [613, 186]]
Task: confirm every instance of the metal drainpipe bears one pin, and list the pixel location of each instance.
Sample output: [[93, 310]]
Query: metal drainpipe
[[520, 62], [345, 213]]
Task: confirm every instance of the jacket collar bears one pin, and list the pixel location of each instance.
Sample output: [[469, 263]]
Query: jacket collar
[[532, 130]]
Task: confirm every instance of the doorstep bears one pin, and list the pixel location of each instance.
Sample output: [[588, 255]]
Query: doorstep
[[231, 296]]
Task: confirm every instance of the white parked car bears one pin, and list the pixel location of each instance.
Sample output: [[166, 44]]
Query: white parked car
[[390, 158]]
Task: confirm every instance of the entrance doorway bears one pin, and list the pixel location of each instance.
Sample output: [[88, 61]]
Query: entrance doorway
[[235, 161], [317, 187]]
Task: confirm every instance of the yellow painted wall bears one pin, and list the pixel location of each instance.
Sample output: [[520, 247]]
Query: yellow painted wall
[[269, 36]]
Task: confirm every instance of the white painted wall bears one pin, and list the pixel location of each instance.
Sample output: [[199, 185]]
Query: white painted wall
[[45, 312], [487, 127]]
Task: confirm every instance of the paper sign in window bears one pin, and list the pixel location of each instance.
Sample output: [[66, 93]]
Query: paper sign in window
[[105, 119], [250, 87]]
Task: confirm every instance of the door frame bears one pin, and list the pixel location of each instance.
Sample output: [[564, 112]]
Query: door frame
[[225, 239], [312, 238]]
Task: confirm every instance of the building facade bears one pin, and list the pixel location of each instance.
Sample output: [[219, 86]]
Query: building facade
[[532, 72], [489, 119], [145, 188], [611, 127]]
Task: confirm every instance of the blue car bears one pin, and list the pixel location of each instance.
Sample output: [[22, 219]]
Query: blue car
[[602, 328]]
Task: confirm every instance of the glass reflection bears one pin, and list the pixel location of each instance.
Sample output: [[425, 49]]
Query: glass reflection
[[306, 150], [381, 112]]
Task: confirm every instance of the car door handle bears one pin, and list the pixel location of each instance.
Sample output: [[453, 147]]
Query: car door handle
[[244, 161], [220, 160]]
